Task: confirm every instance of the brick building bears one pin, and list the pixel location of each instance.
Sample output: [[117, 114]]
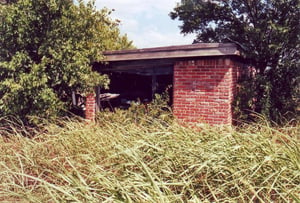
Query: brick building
[[203, 78]]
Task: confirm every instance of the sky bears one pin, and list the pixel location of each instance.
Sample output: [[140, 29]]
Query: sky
[[147, 22]]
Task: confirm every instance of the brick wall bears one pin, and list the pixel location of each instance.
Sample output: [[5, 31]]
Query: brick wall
[[204, 90], [90, 109]]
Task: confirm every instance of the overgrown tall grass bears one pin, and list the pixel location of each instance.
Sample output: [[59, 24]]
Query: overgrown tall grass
[[130, 156]]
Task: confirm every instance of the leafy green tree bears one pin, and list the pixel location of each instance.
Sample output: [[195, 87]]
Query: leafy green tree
[[267, 32], [47, 48], [8, 1]]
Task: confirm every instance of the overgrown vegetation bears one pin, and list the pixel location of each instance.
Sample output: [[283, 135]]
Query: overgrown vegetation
[[139, 155], [47, 49], [144, 156]]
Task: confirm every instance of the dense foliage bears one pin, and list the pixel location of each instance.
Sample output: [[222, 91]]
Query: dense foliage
[[144, 156], [8, 1], [267, 32], [46, 51]]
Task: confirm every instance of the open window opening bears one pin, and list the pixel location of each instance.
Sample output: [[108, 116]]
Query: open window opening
[[137, 85]]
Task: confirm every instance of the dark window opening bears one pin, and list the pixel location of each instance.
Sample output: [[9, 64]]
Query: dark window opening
[[137, 88]]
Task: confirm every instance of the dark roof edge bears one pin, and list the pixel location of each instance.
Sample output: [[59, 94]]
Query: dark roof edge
[[181, 51], [173, 48]]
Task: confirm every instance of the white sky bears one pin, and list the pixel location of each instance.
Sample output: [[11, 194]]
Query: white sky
[[147, 22]]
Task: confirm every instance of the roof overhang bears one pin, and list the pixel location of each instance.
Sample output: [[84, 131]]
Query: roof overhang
[[169, 52], [160, 60]]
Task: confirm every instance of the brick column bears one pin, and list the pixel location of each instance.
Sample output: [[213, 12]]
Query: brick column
[[204, 90], [90, 109]]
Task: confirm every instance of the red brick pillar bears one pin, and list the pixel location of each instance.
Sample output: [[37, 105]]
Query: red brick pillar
[[204, 90], [90, 109]]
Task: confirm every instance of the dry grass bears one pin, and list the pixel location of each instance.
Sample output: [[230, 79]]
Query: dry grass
[[124, 158]]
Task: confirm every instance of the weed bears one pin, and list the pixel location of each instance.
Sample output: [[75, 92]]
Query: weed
[[150, 159]]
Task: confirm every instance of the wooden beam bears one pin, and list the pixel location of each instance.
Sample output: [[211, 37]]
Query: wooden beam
[[154, 79], [140, 64]]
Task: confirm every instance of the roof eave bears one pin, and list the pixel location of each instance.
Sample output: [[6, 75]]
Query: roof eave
[[183, 51]]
